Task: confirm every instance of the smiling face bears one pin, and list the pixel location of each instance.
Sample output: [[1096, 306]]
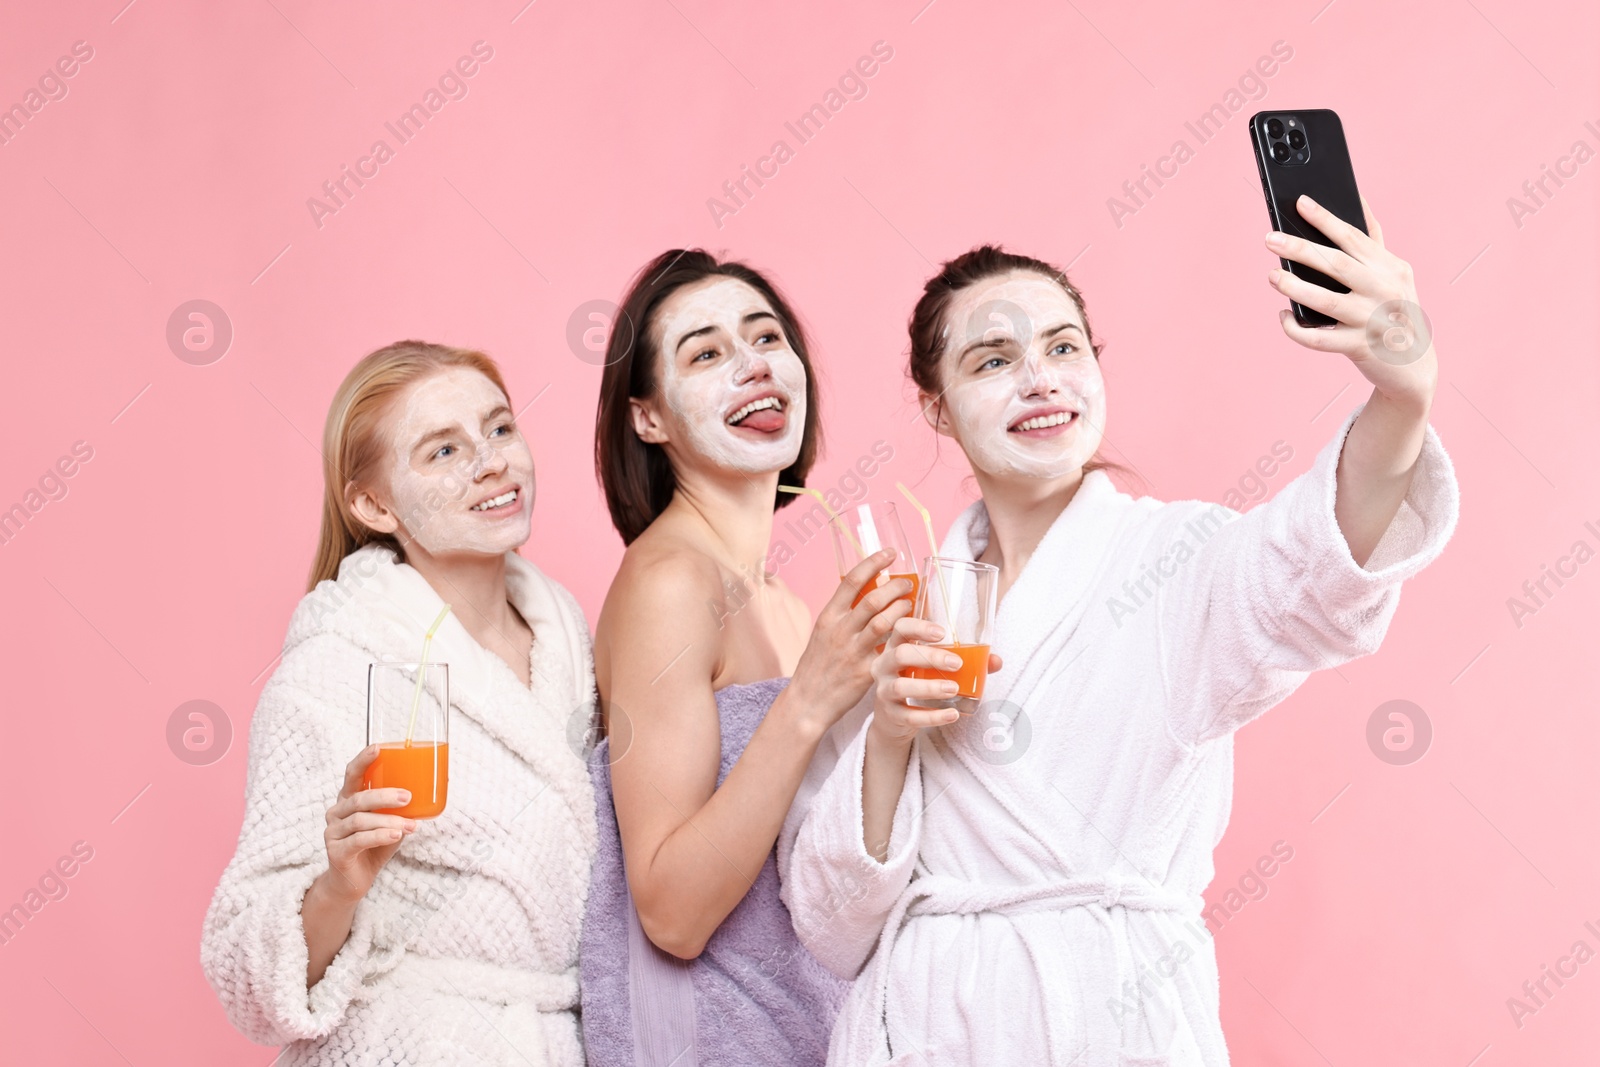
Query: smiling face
[[731, 391], [458, 476], [1023, 393]]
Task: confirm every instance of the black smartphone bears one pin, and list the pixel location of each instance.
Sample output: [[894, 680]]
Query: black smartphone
[[1305, 152]]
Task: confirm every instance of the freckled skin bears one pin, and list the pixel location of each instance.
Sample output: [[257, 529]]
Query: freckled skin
[[432, 491], [989, 387]]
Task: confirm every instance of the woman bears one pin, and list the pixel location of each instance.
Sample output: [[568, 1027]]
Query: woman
[[1044, 908], [359, 937], [715, 686]]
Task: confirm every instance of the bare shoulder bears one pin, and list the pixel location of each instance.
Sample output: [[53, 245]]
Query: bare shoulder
[[667, 595], [663, 573]]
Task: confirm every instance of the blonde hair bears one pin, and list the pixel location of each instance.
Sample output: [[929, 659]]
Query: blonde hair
[[353, 440]]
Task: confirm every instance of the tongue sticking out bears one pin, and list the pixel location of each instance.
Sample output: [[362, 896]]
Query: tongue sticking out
[[767, 420]]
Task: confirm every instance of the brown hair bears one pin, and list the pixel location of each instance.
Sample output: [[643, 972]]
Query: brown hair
[[930, 330], [353, 440], [637, 477]]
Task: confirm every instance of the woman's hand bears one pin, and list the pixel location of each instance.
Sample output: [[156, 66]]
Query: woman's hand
[[359, 839], [894, 721], [359, 842], [1381, 328], [836, 667]]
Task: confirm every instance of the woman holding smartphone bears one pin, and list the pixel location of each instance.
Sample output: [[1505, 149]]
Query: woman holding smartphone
[[714, 683], [1044, 908], [352, 935]]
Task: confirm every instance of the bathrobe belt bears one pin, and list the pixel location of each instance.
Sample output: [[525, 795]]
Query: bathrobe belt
[[944, 895], [542, 991]]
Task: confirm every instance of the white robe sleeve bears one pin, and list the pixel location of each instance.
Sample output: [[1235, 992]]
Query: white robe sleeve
[[253, 949], [837, 894], [1275, 594]]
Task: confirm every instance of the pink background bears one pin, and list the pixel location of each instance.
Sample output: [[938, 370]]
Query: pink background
[[178, 167]]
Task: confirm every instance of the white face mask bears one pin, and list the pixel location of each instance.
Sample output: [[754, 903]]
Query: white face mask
[[738, 355], [1007, 362], [433, 485]]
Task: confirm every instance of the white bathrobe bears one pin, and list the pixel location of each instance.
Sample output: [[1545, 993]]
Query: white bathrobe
[[1040, 903], [466, 949]]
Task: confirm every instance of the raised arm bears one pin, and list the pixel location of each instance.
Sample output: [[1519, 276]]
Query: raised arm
[[693, 850], [1383, 332], [1311, 578]]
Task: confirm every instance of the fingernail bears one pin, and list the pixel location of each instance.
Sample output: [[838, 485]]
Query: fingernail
[[411, 824], [951, 687], [405, 796], [952, 662]]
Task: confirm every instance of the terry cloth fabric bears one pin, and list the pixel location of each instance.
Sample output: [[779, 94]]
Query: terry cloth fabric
[[1040, 903], [754, 996], [466, 948]]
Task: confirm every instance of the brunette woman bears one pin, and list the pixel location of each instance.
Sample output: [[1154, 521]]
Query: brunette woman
[[715, 683], [1031, 875]]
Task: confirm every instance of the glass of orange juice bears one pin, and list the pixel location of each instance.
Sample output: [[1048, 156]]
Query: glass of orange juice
[[868, 527], [960, 595], [410, 723]]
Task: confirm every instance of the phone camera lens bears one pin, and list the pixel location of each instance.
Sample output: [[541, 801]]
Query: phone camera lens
[[1280, 152], [1297, 140], [1274, 128]]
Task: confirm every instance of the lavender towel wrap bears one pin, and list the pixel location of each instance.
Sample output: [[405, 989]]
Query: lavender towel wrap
[[754, 996]]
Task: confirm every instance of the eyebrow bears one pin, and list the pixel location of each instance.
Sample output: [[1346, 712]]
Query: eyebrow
[[1059, 329], [447, 431], [1045, 336], [749, 317]]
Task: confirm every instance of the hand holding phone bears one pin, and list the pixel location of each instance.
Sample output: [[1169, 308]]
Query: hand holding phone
[[1337, 270], [1304, 152]]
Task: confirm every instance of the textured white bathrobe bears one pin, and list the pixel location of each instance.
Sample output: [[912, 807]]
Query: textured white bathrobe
[[466, 949], [1041, 901]]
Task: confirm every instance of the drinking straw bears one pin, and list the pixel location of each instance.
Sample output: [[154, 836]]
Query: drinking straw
[[933, 547], [416, 694], [834, 515]]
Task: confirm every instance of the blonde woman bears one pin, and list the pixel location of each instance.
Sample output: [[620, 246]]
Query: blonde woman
[[358, 937]]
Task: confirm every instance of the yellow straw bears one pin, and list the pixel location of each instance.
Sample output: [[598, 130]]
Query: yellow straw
[[933, 547], [416, 694], [831, 513]]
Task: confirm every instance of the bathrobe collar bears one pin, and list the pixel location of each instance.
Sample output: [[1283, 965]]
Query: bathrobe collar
[[1045, 603], [385, 607]]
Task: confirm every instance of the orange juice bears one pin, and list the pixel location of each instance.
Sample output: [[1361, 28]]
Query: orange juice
[[911, 596], [970, 676], [915, 581], [423, 767]]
